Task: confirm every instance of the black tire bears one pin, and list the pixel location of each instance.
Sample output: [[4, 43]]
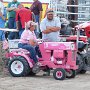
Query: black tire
[[32, 73], [25, 71], [82, 71], [60, 71], [71, 74], [80, 62]]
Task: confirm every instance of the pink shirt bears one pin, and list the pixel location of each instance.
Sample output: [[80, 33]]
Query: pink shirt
[[26, 36]]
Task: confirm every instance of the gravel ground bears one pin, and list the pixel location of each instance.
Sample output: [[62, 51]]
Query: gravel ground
[[39, 82]]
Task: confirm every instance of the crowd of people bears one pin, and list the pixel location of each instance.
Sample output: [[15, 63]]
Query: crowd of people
[[18, 15]]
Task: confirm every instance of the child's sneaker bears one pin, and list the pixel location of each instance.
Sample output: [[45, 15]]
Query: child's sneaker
[[38, 63], [36, 67]]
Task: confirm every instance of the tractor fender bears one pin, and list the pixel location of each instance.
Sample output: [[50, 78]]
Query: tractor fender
[[27, 58]]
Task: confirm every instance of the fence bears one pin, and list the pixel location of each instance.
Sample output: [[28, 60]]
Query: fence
[[61, 10]]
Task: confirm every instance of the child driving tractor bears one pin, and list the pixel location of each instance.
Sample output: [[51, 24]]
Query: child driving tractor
[[28, 40]]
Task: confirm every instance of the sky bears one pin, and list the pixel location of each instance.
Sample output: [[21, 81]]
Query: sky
[[44, 1]]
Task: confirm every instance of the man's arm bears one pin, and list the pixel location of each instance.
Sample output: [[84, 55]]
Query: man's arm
[[47, 31], [17, 20], [51, 29], [57, 26], [55, 29], [32, 42], [17, 25], [1, 15], [33, 17], [10, 9], [40, 15]]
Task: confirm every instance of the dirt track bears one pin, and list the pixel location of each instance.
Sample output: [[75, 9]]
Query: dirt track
[[39, 82]]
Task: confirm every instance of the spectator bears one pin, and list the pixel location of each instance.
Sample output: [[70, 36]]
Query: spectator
[[23, 15], [2, 21], [50, 27], [12, 7], [36, 8]]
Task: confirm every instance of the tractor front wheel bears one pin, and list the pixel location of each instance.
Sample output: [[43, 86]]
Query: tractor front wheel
[[59, 74]]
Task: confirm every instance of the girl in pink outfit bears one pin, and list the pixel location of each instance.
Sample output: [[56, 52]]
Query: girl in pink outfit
[[28, 40]]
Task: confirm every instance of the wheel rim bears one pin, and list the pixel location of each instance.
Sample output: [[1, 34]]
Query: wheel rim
[[59, 74], [17, 67]]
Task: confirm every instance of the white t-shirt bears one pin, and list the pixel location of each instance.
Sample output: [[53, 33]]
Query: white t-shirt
[[2, 7], [53, 36]]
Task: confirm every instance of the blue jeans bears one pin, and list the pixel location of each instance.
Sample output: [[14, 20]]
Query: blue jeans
[[12, 25], [2, 23], [37, 20], [31, 49], [20, 32], [2, 34]]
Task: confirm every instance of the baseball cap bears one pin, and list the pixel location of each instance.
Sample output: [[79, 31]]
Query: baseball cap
[[49, 11], [30, 23]]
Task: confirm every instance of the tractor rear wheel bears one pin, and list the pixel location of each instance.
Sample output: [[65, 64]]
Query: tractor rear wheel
[[18, 67]]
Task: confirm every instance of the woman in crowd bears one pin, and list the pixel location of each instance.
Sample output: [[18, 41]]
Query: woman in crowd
[[2, 21]]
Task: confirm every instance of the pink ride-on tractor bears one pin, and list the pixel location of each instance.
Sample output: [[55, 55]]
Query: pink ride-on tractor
[[57, 56]]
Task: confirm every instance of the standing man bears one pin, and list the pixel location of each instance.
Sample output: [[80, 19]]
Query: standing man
[[36, 8], [23, 15], [50, 27], [12, 6]]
